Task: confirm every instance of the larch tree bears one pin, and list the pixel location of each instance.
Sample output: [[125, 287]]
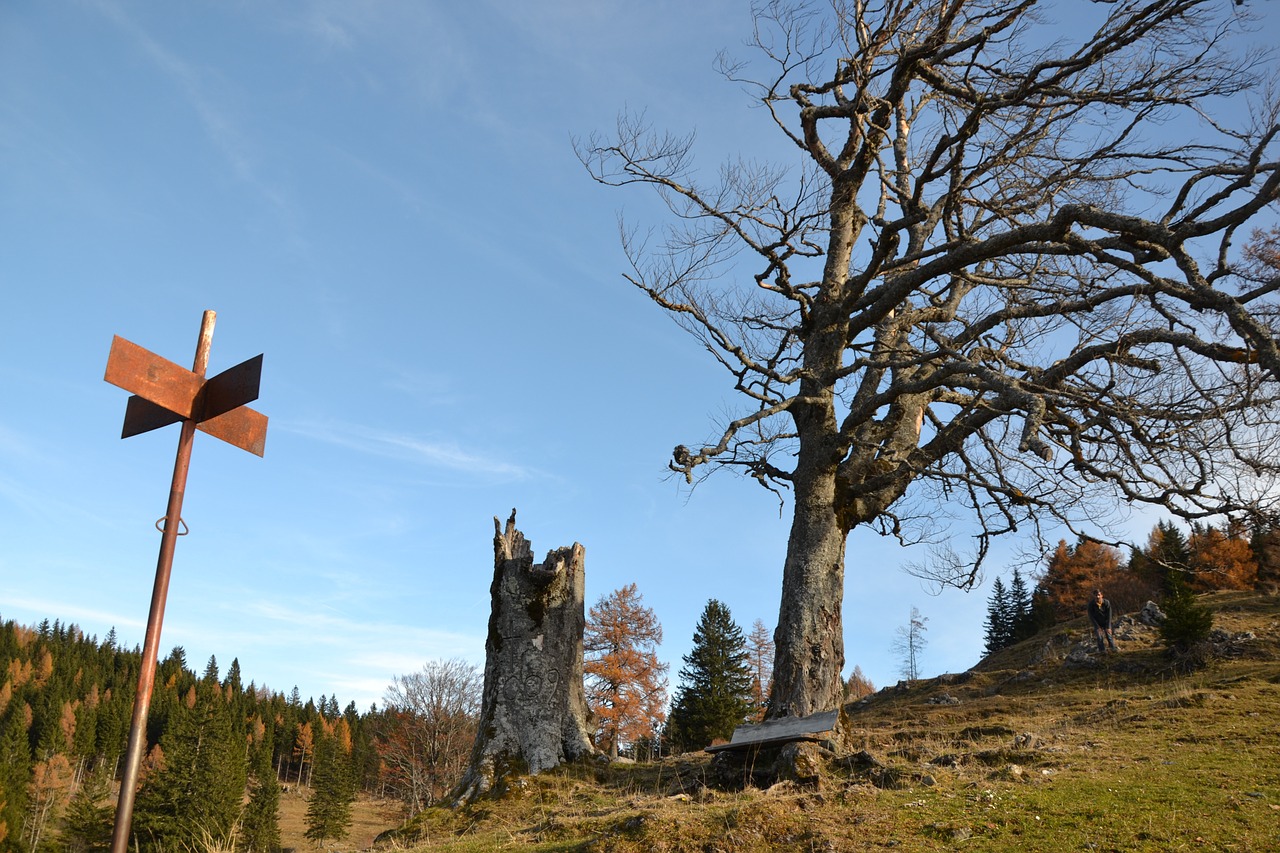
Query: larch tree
[[1074, 572], [857, 685], [51, 781], [760, 660], [304, 748], [714, 696], [1221, 558], [626, 683], [995, 273]]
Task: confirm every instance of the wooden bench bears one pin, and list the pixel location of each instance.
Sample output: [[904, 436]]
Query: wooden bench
[[815, 727]]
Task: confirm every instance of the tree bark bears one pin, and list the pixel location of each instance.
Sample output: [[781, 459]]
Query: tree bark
[[1268, 581], [533, 714], [809, 640]]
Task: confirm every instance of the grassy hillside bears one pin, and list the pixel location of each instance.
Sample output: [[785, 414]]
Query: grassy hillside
[[1035, 749]]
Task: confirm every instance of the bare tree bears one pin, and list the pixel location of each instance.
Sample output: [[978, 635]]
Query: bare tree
[[427, 727], [996, 283], [909, 643]]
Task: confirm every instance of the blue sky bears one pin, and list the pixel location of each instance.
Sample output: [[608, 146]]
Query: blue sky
[[382, 198]]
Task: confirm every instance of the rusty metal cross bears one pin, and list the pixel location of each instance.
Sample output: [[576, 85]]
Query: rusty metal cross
[[165, 393]]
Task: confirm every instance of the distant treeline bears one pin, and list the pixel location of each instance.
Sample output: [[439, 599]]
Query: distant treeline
[[218, 750], [1209, 558]]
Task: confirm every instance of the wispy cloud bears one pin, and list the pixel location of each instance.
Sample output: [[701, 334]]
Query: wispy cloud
[[219, 126], [421, 41], [358, 656], [412, 448]]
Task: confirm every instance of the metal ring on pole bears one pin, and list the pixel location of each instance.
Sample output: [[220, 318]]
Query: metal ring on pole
[[182, 526]]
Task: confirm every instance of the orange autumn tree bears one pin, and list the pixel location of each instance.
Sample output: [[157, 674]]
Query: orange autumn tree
[[1221, 558], [626, 683], [1073, 572]]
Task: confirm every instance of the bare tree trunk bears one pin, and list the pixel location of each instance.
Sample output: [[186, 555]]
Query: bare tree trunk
[[809, 640], [533, 713], [1268, 581]]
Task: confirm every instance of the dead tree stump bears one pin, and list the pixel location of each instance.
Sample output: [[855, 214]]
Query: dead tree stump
[[533, 712]]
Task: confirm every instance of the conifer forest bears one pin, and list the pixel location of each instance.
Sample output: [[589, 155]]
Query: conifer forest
[[220, 751]]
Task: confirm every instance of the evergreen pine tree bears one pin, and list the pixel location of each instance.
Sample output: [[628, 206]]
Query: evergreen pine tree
[[15, 775], [90, 815], [211, 670], [1187, 623], [233, 677], [1022, 623], [1168, 556], [198, 792], [332, 792], [996, 635], [260, 825], [715, 692]]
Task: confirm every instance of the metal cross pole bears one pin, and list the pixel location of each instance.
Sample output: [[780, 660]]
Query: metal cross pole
[[165, 393]]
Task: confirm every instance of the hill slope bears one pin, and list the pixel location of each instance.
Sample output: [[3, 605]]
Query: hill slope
[[1042, 747]]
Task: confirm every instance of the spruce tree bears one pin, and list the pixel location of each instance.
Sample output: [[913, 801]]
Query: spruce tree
[[997, 633], [1022, 623], [260, 825], [90, 814], [15, 774], [715, 691], [1187, 623], [233, 677], [332, 792], [197, 794], [1168, 556], [211, 670]]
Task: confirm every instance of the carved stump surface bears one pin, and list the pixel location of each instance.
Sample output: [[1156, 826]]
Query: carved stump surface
[[533, 714]]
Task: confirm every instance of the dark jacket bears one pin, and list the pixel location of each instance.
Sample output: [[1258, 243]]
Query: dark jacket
[[1100, 614]]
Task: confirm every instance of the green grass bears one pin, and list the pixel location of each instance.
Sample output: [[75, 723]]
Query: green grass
[[1130, 754]]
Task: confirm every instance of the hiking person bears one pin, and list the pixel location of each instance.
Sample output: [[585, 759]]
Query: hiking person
[[1100, 616]]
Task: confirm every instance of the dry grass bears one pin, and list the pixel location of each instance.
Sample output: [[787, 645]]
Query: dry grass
[[369, 818], [1023, 753]]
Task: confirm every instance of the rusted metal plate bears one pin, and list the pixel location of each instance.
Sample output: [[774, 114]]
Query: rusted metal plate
[[141, 415], [242, 427], [165, 393], [142, 372], [231, 389]]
